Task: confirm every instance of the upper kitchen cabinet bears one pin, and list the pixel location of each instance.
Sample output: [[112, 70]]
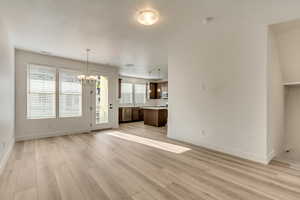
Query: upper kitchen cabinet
[[158, 90], [119, 88], [153, 91], [162, 90]]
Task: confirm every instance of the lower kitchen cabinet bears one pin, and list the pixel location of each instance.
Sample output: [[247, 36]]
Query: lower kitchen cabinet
[[129, 114], [135, 114], [155, 117], [125, 114]]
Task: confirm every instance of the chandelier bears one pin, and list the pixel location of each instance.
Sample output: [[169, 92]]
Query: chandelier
[[87, 78]]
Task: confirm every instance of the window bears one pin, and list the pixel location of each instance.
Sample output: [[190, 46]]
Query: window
[[126, 93], [41, 91], [70, 94], [140, 93]]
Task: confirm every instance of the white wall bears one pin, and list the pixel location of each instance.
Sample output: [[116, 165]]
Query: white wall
[[27, 129], [289, 52], [218, 75], [276, 104], [7, 109]]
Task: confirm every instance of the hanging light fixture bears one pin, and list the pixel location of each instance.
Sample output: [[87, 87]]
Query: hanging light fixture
[[86, 78]]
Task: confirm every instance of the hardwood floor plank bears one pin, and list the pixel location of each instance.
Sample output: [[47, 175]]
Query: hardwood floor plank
[[66, 184], [142, 196], [47, 161], [80, 171], [29, 194], [100, 166]]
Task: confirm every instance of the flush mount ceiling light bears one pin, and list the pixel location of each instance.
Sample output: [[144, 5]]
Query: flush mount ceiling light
[[147, 17]]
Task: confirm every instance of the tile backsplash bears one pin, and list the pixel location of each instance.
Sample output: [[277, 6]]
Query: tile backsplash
[[156, 102]]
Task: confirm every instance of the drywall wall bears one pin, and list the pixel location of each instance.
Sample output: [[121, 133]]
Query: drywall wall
[[218, 75], [289, 51], [27, 129], [7, 107], [276, 132]]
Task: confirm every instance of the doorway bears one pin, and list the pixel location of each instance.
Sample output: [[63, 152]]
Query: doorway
[[101, 103]]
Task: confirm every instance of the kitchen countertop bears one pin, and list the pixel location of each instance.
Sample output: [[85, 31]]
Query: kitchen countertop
[[155, 108], [147, 107]]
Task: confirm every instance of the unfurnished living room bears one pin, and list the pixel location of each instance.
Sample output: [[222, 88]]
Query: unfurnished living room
[[150, 100]]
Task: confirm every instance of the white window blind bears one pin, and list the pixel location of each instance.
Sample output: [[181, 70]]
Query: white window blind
[[70, 94], [140, 93], [41, 91], [126, 93]]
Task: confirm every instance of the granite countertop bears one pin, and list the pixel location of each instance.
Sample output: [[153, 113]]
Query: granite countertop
[[147, 107], [155, 108]]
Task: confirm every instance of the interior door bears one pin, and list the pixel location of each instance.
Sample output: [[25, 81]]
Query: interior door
[[101, 103]]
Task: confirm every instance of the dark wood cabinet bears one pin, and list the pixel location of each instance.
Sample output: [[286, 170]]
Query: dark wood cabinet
[[141, 115], [119, 91], [125, 114], [129, 114], [157, 89], [135, 114], [154, 117], [153, 91]]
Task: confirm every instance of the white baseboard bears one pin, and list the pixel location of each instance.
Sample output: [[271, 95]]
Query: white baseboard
[[48, 135], [271, 155], [233, 152], [7, 152]]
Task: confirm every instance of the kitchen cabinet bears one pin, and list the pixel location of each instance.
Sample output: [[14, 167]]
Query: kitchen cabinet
[[119, 91], [129, 114], [153, 91], [158, 90], [125, 114], [135, 114], [155, 117], [141, 115]]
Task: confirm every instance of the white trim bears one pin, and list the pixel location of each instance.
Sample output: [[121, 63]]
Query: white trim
[[291, 83], [230, 151], [271, 155], [6, 154]]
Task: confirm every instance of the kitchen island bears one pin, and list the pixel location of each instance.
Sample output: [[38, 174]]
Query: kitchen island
[[155, 116]]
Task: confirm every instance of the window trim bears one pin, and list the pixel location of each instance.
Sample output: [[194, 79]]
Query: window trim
[[57, 91], [28, 85], [58, 94], [133, 94]]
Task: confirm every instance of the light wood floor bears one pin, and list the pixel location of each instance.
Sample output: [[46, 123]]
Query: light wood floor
[[100, 166]]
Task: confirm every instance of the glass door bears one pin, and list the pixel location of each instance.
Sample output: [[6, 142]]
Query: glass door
[[101, 101]]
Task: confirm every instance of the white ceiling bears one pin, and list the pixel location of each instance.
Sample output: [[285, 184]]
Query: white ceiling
[[108, 27]]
